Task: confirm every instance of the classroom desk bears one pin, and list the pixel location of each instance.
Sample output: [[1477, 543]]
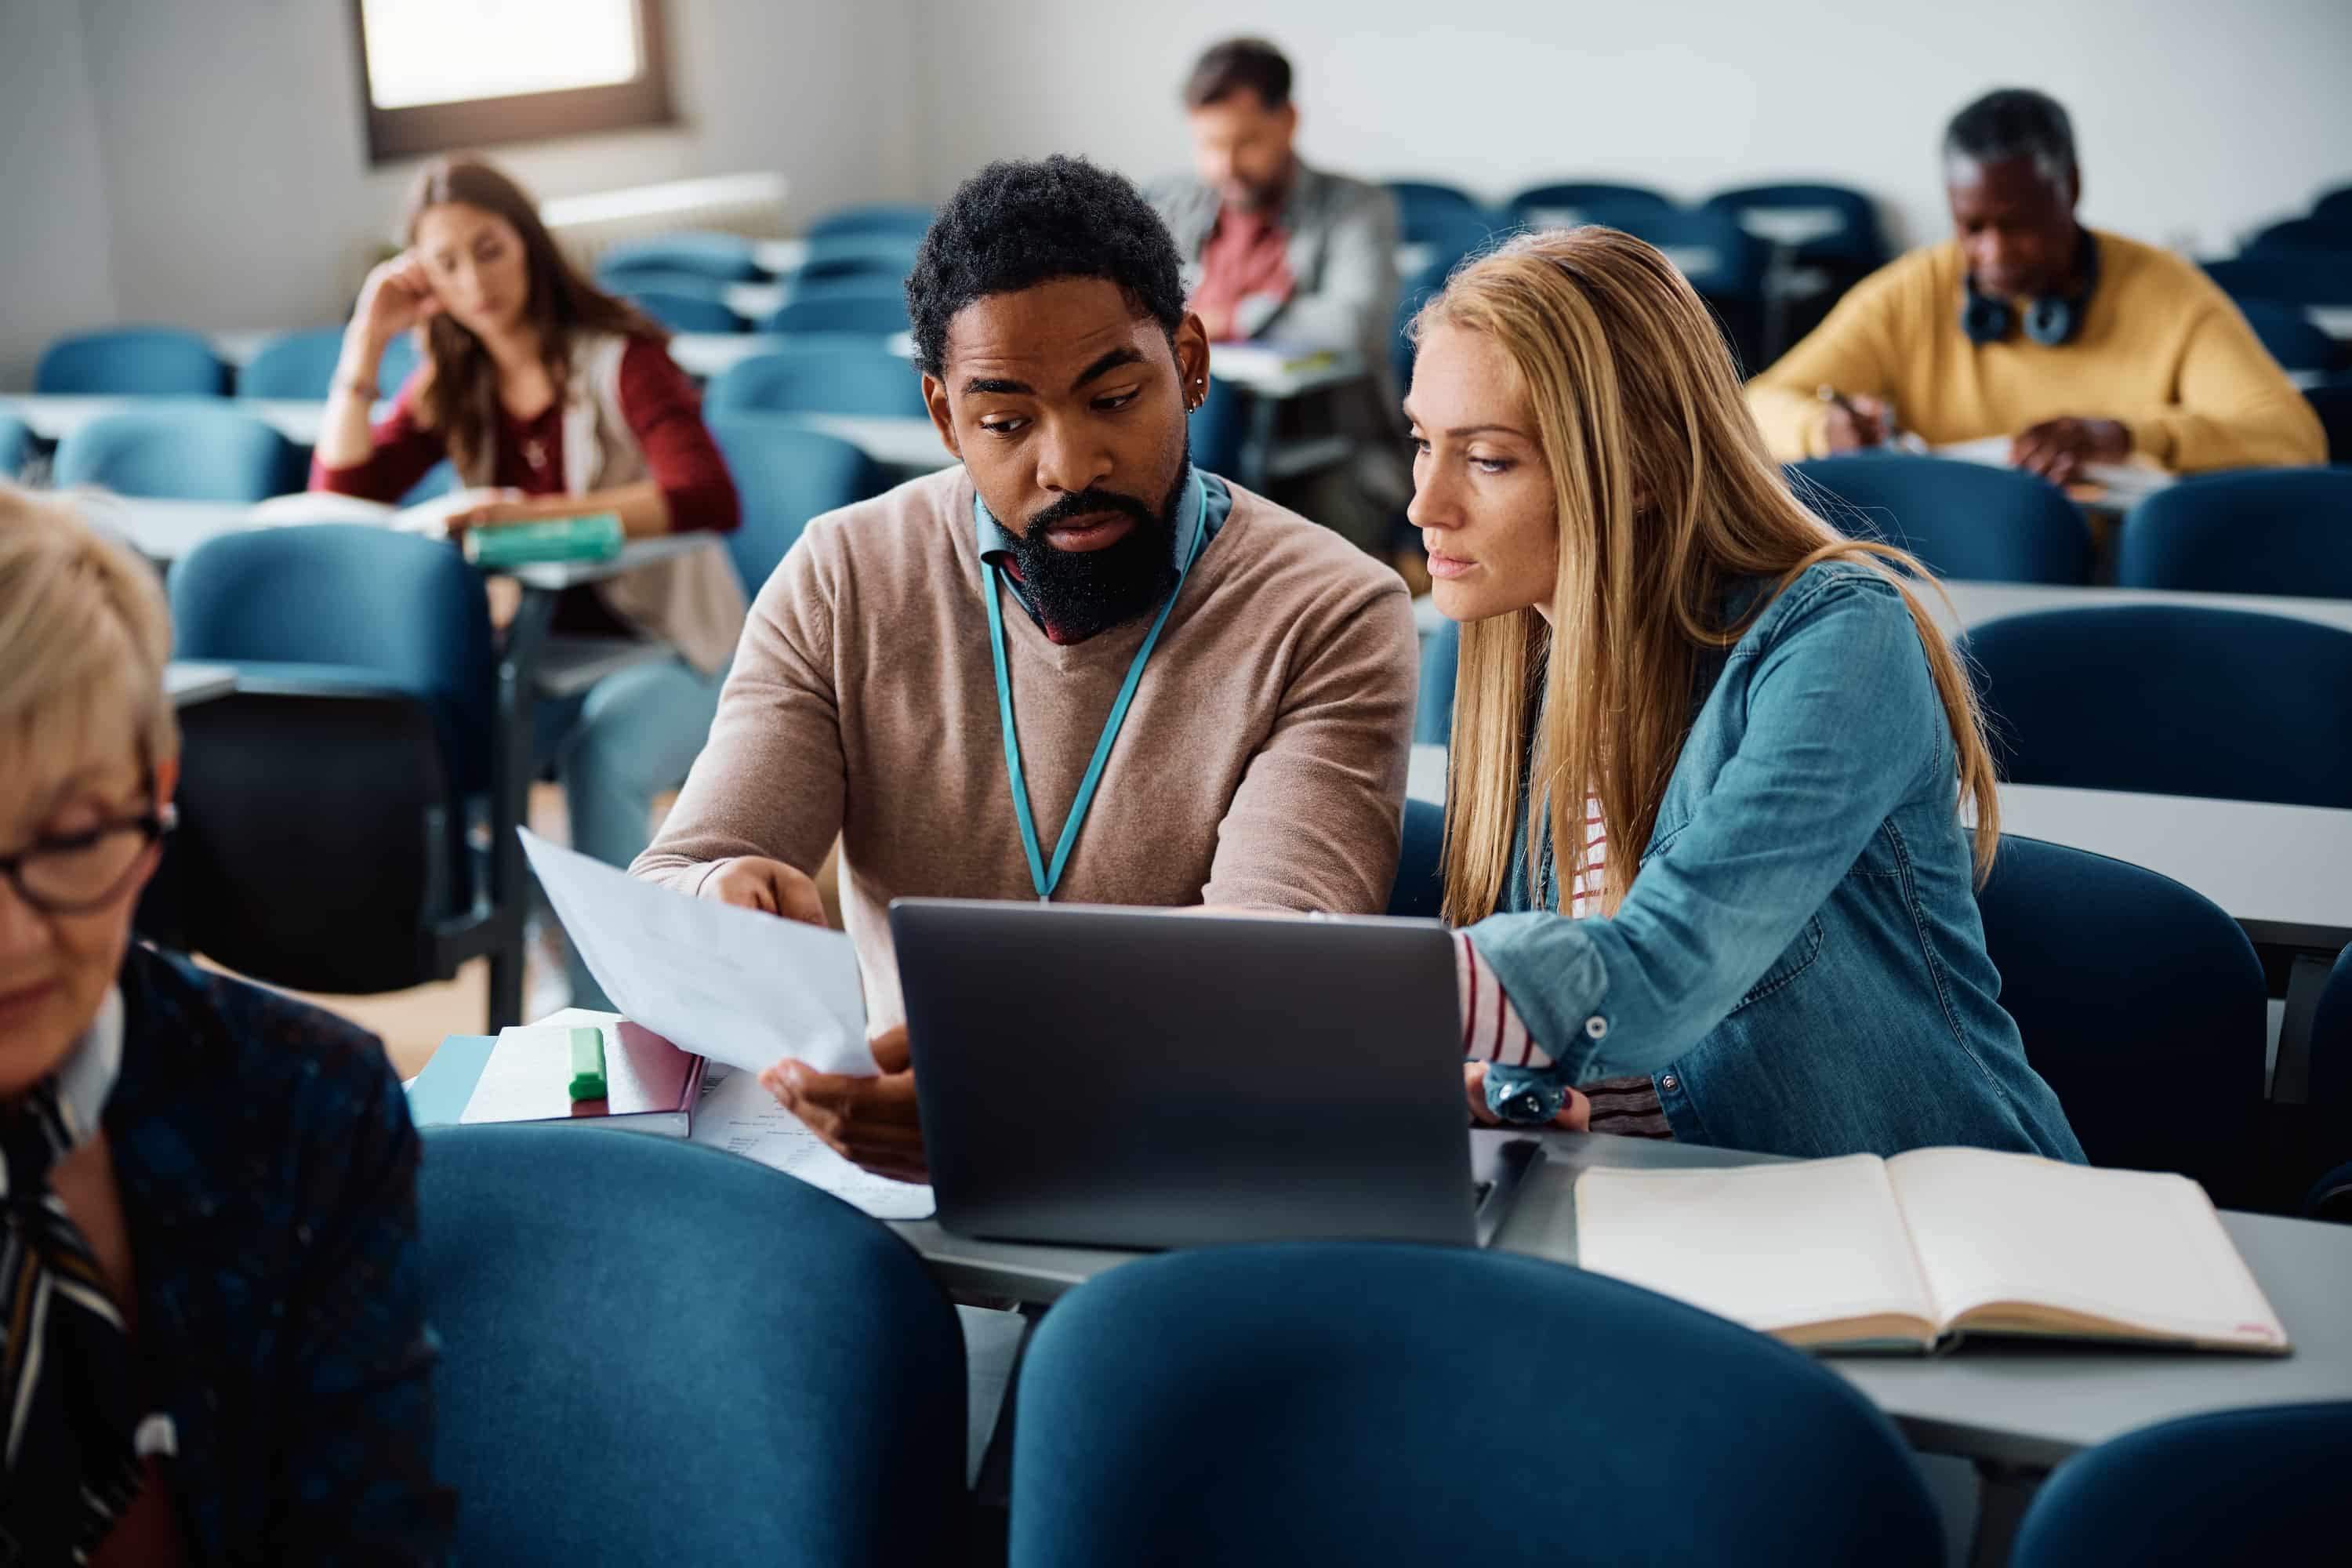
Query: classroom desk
[[53, 417], [1973, 604], [909, 445], [188, 682], [2335, 321]]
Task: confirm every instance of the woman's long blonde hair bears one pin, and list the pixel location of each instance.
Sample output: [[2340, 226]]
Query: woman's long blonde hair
[[1666, 499]]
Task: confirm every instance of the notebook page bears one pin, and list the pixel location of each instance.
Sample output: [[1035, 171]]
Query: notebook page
[[1772, 1247], [2135, 1247]]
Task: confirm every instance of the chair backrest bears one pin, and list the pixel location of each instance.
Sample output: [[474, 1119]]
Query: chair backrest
[[2238, 1486], [686, 313], [1420, 887], [1964, 520], [1566, 202], [405, 609], [631, 1372], [16, 447], [856, 376], [183, 451], [301, 366], [2335, 207], [2333, 404], [2291, 336], [2170, 700], [2302, 234], [1440, 656], [2298, 277], [888, 258], [723, 257], [785, 474], [1309, 1403], [2128, 986], [2264, 531], [148, 361], [1856, 237], [1220, 426], [1707, 246], [880, 310], [322, 843], [2331, 1061], [906, 219], [645, 276]]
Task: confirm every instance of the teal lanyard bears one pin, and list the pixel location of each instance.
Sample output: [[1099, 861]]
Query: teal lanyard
[[1041, 877]]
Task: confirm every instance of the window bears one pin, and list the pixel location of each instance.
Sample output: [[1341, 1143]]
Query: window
[[441, 74]]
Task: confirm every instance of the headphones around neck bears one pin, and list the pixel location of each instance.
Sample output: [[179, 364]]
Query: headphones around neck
[[2050, 319]]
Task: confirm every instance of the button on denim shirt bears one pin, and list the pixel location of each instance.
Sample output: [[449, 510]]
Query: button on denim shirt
[[1800, 966]]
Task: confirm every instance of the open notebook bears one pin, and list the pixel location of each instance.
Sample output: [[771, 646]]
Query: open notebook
[[1861, 1252], [2122, 482]]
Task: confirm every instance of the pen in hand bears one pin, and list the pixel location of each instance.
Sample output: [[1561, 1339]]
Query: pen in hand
[[1855, 423]]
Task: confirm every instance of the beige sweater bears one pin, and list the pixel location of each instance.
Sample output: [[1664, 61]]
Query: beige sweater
[[1262, 761]]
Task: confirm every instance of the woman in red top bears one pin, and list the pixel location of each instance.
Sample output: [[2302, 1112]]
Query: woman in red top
[[552, 399]]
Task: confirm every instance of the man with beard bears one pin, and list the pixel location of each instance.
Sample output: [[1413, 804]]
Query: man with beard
[[1281, 251], [1075, 668]]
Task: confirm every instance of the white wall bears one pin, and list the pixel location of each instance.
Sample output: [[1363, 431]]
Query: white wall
[[2196, 120], [57, 271], [215, 150]]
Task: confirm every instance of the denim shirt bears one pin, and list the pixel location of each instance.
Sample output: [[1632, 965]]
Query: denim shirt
[[1800, 966]]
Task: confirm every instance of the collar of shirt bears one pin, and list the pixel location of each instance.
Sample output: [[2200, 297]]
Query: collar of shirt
[[996, 542], [88, 1076]]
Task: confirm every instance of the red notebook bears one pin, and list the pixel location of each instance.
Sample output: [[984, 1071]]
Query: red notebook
[[650, 1085]]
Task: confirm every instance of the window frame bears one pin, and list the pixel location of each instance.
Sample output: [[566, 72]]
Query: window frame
[[421, 130]]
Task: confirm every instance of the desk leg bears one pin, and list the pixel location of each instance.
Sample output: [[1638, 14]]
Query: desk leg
[[525, 642], [2007, 1491]]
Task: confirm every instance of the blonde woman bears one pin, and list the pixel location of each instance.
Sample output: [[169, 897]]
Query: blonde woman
[[213, 1347], [1703, 823]]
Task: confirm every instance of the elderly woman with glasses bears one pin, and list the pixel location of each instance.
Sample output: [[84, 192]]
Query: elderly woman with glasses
[[213, 1344]]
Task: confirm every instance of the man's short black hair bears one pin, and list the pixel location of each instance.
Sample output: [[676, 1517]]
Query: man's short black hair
[[1016, 225], [1235, 66], [2013, 122]]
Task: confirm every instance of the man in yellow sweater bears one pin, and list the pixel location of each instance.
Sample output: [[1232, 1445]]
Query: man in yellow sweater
[[2081, 346]]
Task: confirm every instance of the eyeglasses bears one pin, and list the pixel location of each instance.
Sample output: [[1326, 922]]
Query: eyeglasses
[[79, 872]]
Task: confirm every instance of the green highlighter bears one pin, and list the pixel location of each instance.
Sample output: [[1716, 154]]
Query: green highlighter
[[587, 1064]]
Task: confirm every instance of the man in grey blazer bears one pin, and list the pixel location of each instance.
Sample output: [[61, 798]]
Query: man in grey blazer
[[1278, 250]]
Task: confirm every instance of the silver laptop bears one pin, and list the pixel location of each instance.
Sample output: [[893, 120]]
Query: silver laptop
[[1137, 1078]]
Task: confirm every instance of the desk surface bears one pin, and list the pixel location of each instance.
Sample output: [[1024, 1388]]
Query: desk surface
[[2016, 1403], [909, 443], [1973, 604], [54, 418], [188, 682]]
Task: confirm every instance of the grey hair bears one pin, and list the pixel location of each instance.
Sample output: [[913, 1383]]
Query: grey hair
[[2013, 122]]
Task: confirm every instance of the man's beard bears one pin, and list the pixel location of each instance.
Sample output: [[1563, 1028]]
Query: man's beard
[[1079, 593]]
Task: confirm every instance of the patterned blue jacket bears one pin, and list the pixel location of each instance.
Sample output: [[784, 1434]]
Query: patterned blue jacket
[[268, 1179]]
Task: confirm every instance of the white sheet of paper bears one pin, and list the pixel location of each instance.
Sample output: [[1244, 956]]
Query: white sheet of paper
[[736, 986], [739, 1114]]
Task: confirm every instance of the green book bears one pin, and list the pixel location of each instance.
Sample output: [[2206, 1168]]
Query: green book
[[595, 536]]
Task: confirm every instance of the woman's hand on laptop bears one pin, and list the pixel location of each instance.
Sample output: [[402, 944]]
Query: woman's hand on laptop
[[756, 882], [869, 1122], [1575, 1111]]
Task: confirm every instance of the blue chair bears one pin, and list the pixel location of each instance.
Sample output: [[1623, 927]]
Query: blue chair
[[1428, 212], [1220, 426], [1710, 249], [1857, 241], [2264, 531], [660, 280], [143, 362], [2333, 404], [686, 313], [1961, 519], [905, 220], [2171, 700], [722, 257], [856, 375], [2127, 986], [1441, 655], [889, 258], [15, 448], [2308, 234], [183, 451], [2292, 277], [1323, 1402], [2238, 1486], [1420, 887], [2335, 207], [2291, 336], [2331, 1088], [1565, 204], [325, 806], [618, 1386], [880, 311], [2330, 1197], [785, 474], [301, 366]]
